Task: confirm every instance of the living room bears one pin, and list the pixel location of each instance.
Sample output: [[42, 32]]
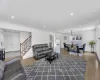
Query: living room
[[43, 55]]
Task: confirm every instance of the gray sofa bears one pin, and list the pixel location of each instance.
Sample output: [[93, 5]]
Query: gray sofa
[[41, 50], [12, 70]]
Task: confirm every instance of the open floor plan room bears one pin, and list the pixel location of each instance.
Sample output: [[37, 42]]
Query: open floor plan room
[[49, 39]]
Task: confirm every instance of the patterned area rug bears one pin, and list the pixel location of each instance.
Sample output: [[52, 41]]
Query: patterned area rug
[[63, 68]]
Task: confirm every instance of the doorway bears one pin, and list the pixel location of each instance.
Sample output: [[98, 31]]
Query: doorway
[[57, 44], [11, 43]]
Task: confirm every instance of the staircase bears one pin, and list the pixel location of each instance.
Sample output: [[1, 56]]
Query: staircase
[[25, 46]]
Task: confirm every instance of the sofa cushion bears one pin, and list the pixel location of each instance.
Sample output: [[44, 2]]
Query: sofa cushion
[[2, 66], [41, 53], [48, 51], [38, 49], [43, 49], [45, 45], [44, 52], [46, 48]]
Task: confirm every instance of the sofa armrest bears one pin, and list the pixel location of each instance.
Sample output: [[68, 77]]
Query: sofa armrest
[[36, 54], [12, 67]]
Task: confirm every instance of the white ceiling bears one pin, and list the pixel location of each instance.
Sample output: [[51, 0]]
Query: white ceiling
[[54, 14], [78, 29]]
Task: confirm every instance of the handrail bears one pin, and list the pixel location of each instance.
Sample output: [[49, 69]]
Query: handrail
[[25, 40]]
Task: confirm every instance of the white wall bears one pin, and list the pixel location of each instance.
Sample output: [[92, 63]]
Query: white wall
[[57, 42], [98, 41], [1, 38], [12, 41], [87, 36], [63, 40], [7, 25], [28, 54], [40, 37]]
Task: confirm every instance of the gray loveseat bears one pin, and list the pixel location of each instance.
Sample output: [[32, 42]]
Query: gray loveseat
[[41, 50], [12, 70]]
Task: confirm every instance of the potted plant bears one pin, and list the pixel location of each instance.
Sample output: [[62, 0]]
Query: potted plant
[[92, 44]]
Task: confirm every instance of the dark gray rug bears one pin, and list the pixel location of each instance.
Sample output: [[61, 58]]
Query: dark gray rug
[[63, 68]]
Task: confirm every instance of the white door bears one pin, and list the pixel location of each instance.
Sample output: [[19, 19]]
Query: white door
[[8, 43], [11, 42]]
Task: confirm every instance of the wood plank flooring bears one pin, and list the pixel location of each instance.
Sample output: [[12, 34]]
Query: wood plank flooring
[[92, 67]]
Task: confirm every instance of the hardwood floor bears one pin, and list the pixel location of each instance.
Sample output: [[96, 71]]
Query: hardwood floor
[[28, 61], [10, 58], [92, 67]]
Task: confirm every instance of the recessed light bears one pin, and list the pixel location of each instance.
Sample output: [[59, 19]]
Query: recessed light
[[44, 26], [12, 17], [71, 14]]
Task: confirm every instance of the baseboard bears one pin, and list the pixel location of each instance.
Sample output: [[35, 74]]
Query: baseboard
[[88, 51], [61, 48], [12, 51]]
